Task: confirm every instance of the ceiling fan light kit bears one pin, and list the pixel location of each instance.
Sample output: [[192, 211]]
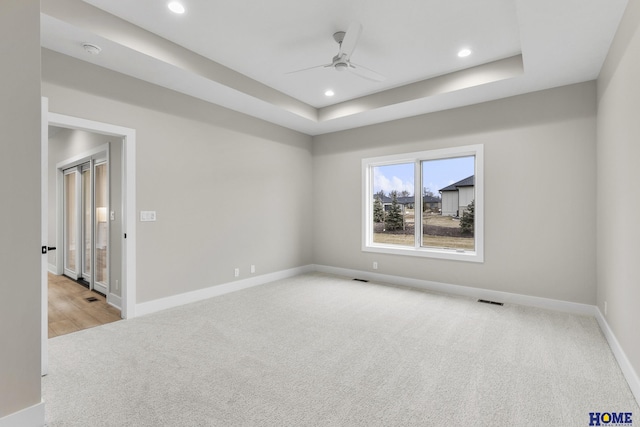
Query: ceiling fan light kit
[[341, 66]]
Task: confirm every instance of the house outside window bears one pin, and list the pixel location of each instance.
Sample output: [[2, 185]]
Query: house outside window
[[457, 196]]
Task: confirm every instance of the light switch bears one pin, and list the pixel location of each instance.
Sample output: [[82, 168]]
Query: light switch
[[113, 216], [147, 216]]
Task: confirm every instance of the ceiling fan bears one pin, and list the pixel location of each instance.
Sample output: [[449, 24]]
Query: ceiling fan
[[342, 61]]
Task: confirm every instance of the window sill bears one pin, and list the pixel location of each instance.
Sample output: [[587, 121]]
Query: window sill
[[447, 254]]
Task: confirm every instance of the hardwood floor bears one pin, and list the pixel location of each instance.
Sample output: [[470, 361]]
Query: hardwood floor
[[70, 311]]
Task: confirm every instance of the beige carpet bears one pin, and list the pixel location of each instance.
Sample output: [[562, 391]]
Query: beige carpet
[[319, 350]]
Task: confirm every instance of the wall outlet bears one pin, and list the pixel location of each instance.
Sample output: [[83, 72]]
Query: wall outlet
[[236, 272], [375, 265], [605, 308], [253, 269]]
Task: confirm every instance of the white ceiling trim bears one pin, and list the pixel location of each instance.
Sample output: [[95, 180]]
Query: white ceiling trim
[[136, 52]]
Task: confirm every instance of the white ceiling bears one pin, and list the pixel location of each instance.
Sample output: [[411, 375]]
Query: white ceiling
[[237, 54]]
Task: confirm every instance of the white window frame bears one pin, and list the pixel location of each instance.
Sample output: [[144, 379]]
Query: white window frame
[[369, 164]]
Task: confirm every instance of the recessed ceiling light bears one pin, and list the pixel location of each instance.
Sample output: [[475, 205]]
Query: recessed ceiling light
[[176, 7], [329, 92], [464, 53]]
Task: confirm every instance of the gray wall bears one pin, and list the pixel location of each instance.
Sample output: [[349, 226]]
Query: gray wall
[[618, 196], [215, 214], [229, 190], [540, 182], [65, 144], [20, 259]]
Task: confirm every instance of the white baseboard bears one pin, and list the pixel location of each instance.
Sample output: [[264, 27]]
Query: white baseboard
[[52, 268], [32, 416], [505, 297], [115, 301], [213, 291], [564, 306], [625, 365]]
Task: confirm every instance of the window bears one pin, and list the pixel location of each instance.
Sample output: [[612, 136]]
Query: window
[[426, 204]]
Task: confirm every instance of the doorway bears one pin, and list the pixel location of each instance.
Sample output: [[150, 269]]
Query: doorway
[[85, 201], [127, 211]]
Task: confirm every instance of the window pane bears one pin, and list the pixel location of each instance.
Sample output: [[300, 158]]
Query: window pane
[[448, 197], [70, 221], [393, 204], [86, 211], [102, 226]]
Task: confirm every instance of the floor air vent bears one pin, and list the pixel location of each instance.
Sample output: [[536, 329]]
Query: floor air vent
[[490, 302], [361, 280], [91, 299]]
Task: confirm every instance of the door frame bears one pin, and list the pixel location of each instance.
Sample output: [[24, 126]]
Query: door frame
[[128, 135]]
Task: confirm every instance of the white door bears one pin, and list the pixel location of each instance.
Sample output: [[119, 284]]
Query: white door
[[86, 238], [101, 227], [85, 223], [72, 223]]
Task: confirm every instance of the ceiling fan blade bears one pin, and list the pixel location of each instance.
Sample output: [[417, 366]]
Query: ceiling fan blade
[[310, 68], [350, 39], [365, 73]]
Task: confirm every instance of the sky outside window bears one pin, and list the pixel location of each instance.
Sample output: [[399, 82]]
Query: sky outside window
[[436, 174]]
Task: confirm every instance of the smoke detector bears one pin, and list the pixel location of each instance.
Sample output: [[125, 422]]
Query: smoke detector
[[91, 48]]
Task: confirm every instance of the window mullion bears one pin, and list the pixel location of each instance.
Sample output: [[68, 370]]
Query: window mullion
[[368, 208], [417, 206]]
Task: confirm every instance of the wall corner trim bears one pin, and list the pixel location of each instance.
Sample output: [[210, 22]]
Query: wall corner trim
[[625, 365], [33, 416], [217, 290]]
